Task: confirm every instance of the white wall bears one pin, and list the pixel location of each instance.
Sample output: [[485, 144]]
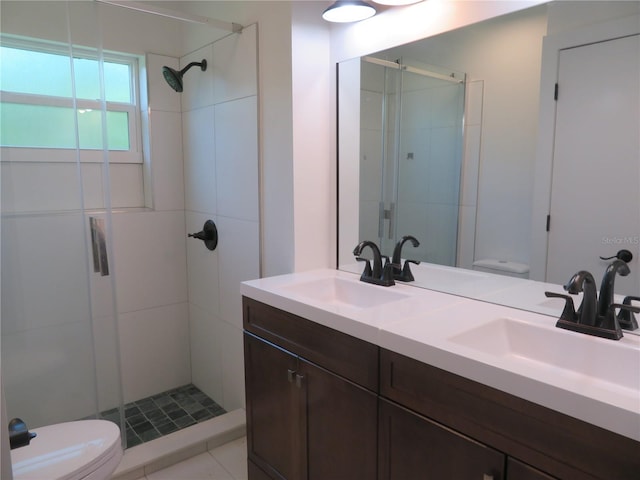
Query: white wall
[[314, 187], [220, 144]]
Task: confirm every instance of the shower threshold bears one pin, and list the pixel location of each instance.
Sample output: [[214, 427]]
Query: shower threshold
[[164, 413]]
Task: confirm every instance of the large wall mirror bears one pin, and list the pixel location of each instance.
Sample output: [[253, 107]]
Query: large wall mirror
[[460, 141]]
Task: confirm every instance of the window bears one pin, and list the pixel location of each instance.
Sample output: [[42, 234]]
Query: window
[[38, 110]]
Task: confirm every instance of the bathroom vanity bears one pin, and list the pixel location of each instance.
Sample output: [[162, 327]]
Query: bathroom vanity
[[340, 389]]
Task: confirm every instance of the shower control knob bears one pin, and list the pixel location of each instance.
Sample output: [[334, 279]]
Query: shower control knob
[[209, 235]]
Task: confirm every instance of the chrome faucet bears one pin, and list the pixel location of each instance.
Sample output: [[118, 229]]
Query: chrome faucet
[[375, 274], [403, 273]]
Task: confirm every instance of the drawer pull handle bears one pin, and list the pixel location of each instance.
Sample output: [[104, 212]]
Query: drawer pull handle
[[487, 477], [299, 379], [290, 374]]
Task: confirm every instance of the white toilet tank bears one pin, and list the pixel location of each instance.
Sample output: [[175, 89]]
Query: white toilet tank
[[82, 450], [502, 267]]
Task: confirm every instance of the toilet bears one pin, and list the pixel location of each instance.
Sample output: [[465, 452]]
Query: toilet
[[502, 267], [81, 450]]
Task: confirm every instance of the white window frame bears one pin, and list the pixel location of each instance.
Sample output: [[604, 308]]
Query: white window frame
[[34, 154]]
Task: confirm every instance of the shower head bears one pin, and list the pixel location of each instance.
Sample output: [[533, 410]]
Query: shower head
[[174, 77]]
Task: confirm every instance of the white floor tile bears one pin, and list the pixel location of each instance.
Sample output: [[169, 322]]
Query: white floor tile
[[226, 462], [233, 457], [200, 467]]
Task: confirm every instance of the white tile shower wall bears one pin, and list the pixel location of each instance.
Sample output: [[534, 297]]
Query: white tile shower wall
[[165, 131], [220, 150], [48, 373], [154, 346], [199, 159], [151, 281], [198, 85], [236, 153], [427, 169], [150, 259], [60, 247], [166, 153], [206, 351], [238, 261]]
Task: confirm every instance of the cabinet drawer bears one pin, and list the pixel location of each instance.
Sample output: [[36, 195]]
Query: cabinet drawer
[[414, 447], [342, 354], [558, 444]]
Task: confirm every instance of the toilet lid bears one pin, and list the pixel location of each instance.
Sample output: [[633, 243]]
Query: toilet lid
[[67, 451]]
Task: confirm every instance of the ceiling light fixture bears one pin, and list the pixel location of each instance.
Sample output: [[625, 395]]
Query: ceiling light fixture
[[348, 11]]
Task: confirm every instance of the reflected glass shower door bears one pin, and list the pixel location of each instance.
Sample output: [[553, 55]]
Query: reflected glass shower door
[[419, 135], [59, 334]]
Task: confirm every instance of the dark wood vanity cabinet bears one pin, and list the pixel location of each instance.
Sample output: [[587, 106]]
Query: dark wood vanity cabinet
[[322, 405], [547, 444], [304, 421]]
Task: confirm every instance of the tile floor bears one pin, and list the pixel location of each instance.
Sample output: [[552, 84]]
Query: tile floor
[[164, 413], [226, 462]]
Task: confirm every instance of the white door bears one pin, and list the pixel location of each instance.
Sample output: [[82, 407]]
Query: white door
[[595, 204]]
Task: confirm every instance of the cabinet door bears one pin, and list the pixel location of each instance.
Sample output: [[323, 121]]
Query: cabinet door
[[340, 425], [273, 429], [413, 447], [517, 470]]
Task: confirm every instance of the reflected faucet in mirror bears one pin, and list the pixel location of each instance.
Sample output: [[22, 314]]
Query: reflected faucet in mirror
[[401, 273]]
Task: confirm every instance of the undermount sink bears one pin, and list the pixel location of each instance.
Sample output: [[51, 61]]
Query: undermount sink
[[593, 358], [338, 291]]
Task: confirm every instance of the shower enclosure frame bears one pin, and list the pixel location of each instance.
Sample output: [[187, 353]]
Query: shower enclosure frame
[[396, 130]]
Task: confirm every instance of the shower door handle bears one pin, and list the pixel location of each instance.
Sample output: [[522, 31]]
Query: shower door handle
[[383, 215], [99, 246]]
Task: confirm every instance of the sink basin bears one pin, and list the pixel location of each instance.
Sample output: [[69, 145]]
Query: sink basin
[[338, 291], [593, 358]]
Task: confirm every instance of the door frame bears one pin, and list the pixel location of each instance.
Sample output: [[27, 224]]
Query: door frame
[[543, 167]]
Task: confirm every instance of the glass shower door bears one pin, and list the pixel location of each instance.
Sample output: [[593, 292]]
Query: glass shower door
[[411, 157], [429, 161], [59, 333]]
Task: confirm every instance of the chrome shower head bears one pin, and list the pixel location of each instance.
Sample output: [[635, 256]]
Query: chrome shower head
[[174, 77]]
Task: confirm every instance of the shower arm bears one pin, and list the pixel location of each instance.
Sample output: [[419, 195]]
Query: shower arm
[[202, 65]]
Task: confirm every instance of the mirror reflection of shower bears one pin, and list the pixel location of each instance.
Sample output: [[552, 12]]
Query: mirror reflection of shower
[[174, 77], [411, 145]]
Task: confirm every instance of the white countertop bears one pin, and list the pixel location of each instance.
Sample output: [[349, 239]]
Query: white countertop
[[459, 335]]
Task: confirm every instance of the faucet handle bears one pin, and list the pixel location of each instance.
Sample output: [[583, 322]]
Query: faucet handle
[[610, 321], [367, 267], [626, 318], [405, 275], [569, 312]]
